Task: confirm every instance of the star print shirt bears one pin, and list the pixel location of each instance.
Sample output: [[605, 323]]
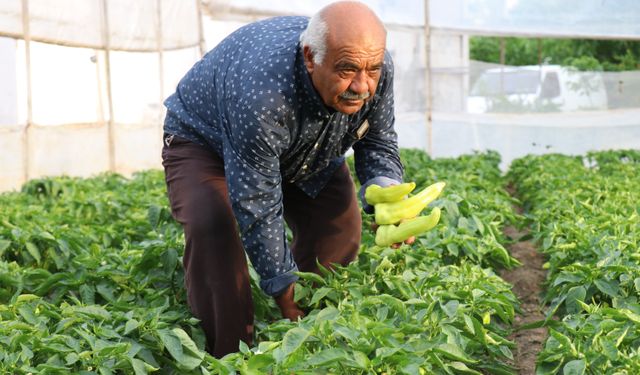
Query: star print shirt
[[251, 100]]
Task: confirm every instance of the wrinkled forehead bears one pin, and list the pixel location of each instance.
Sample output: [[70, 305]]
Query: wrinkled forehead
[[356, 38]]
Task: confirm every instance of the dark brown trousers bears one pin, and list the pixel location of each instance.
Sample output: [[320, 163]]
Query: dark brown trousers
[[216, 276]]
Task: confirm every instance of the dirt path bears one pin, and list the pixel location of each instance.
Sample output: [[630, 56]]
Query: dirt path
[[527, 283]]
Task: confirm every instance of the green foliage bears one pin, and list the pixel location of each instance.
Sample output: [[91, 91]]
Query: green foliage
[[91, 282], [584, 214], [608, 55]]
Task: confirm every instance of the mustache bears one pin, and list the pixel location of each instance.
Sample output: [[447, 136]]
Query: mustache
[[350, 95]]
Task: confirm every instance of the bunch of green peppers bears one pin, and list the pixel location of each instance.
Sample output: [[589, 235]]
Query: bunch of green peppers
[[398, 217]]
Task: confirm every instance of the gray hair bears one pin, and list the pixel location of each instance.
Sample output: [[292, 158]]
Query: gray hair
[[315, 36]]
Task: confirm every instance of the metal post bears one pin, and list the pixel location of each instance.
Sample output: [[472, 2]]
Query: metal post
[[427, 77], [26, 144], [160, 47], [107, 65], [503, 53], [200, 28]]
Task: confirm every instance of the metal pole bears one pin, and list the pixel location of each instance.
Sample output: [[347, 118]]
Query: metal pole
[[503, 53], [160, 46], [427, 77], [26, 144], [99, 84], [107, 65], [200, 28]]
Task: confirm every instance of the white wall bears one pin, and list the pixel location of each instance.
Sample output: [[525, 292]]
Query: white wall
[[8, 85]]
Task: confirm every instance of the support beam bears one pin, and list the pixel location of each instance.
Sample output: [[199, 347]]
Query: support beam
[[26, 159], [107, 65], [427, 77]]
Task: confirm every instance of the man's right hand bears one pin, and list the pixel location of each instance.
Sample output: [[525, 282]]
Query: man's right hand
[[288, 307]]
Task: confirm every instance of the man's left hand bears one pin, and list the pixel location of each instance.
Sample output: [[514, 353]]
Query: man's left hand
[[287, 305]]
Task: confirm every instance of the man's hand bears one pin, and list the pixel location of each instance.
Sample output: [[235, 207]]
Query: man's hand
[[396, 245], [288, 307]]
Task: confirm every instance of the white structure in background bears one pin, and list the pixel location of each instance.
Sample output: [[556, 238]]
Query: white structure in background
[[537, 88], [81, 88], [572, 121], [83, 82], [9, 92]]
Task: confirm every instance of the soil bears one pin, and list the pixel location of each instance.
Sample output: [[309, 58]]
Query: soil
[[527, 281]]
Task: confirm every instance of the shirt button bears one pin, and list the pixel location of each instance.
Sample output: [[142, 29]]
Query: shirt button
[[304, 166]]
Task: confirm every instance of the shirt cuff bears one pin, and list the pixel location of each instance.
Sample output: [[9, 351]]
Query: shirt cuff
[[276, 285], [381, 181]]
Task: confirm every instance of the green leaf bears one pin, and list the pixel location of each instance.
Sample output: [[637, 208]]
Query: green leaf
[[27, 313], [310, 276], [454, 352], [33, 250], [451, 308], [461, 368], [293, 339], [260, 361], [564, 341], [88, 294], [320, 294], [94, 311], [141, 367], [106, 291], [130, 326], [153, 215], [575, 367], [71, 358], [26, 297], [327, 356], [607, 287], [361, 359], [173, 344], [187, 343], [169, 260], [395, 303], [4, 245], [575, 294], [609, 348], [328, 313]]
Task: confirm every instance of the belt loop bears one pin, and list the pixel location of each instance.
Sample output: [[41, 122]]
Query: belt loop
[[168, 139]]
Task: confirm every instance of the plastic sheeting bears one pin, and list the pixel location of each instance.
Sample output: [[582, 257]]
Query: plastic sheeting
[[617, 19], [132, 25], [548, 88], [516, 135], [68, 132], [565, 18]]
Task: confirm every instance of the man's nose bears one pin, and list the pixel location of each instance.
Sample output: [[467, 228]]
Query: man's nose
[[359, 83]]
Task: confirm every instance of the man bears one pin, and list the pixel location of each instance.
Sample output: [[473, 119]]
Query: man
[[255, 137]]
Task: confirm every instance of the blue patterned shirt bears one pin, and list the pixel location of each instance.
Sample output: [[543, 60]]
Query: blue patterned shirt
[[251, 100]]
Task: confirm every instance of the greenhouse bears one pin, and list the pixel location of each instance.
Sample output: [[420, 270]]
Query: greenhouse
[[518, 138]]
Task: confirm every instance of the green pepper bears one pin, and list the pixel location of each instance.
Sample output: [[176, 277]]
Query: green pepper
[[387, 235], [375, 194], [394, 212]]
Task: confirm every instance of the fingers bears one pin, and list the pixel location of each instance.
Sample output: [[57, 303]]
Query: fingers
[[288, 308], [293, 314], [410, 240]]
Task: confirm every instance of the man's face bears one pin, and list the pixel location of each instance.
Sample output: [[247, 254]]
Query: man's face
[[349, 73]]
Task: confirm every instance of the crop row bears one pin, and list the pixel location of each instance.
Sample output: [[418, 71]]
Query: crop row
[[91, 282], [585, 215]]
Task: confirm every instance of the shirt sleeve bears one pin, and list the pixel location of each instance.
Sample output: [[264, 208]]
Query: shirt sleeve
[[377, 155], [251, 148]]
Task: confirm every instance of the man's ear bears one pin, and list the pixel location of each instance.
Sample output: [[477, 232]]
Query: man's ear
[[308, 58]]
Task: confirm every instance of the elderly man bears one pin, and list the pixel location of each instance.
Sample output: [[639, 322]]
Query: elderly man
[[255, 136]]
